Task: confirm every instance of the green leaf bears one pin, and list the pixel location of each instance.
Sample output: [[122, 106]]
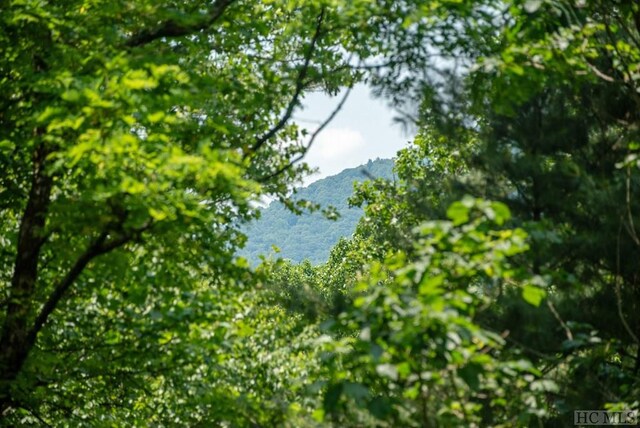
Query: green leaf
[[471, 375], [156, 117], [533, 294], [6, 146], [318, 415], [501, 211], [430, 284], [332, 397], [458, 213], [356, 391]]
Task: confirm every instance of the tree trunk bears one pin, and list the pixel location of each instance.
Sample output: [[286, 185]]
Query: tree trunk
[[14, 341]]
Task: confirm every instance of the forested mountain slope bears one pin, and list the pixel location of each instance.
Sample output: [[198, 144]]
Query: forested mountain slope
[[311, 235]]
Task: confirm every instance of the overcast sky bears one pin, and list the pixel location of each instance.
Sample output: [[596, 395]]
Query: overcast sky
[[362, 130]]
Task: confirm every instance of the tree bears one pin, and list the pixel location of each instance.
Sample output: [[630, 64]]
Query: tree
[[545, 120], [559, 148], [414, 354], [135, 137]]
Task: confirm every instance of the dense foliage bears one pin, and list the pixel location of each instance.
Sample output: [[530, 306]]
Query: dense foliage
[[495, 282], [311, 235]]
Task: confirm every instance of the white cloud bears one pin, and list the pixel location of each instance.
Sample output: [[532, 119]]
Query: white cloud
[[362, 130], [333, 143], [333, 150]]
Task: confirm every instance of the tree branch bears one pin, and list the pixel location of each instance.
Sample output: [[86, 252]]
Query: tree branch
[[311, 140], [556, 315], [617, 289], [302, 75], [100, 246], [172, 28]]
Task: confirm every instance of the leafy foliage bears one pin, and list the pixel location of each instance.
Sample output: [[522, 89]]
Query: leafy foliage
[[493, 283], [135, 138], [417, 357]]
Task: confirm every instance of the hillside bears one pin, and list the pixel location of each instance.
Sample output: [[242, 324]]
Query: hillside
[[311, 236]]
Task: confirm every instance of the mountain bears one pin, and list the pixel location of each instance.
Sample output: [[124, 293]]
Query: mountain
[[311, 235]]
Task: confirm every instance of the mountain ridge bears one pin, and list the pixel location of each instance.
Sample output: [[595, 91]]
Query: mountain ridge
[[310, 235]]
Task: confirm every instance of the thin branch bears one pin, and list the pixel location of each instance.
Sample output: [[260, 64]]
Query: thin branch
[[556, 315], [172, 28], [632, 227], [528, 349], [302, 75], [38, 417], [460, 397], [629, 31], [100, 246], [311, 140], [387, 64], [618, 291], [628, 79], [600, 74]]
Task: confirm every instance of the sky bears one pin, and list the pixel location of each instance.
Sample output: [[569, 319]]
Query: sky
[[362, 130]]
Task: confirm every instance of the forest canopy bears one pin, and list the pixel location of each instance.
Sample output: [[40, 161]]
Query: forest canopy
[[494, 282]]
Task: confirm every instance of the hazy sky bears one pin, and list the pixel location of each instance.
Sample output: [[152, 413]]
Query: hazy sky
[[362, 130]]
